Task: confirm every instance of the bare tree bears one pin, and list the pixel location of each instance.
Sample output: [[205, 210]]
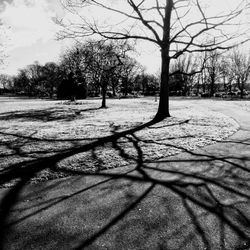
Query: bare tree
[[51, 78], [5, 82], [175, 26], [212, 68], [21, 83], [104, 60], [185, 69], [240, 69], [125, 75], [225, 72]]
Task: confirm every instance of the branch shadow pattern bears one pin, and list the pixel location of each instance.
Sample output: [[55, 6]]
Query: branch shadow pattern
[[207, 187], [45, 115]]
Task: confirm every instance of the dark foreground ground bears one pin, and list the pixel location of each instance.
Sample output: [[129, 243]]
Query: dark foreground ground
[[195, 200]]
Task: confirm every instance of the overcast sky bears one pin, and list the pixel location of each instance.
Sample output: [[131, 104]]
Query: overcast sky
[[29, 34]]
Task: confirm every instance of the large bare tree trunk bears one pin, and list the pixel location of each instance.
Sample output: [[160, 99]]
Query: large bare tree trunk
[[163, 108]]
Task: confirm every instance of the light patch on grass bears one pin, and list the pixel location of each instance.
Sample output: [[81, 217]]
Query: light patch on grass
[[245, 105]]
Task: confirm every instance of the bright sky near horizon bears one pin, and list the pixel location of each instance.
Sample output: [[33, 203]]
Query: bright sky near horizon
[[29, 34]]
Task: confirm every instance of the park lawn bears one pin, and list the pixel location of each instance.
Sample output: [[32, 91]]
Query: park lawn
[[32, 129], [243, 104]]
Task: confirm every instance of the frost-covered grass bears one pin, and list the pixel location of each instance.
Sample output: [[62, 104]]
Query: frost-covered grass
[[245, 105], [31, 129]]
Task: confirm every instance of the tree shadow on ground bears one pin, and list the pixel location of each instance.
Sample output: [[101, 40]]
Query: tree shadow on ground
[[45, 115], [196, 200]]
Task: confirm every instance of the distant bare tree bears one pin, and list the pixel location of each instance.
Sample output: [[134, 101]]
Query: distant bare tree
[[5, 80], [240, 69], [212, 68], [21, 82], [106, 60], [225, 72], [5, 83], [175, 26], [126, 74], [35, 75], [51, 78], [185, 69]]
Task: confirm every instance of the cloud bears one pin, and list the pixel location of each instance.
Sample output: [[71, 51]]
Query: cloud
[[41, 51], [28, 32], [29, 21]]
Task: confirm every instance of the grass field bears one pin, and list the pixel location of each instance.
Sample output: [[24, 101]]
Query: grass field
[[31, 129]]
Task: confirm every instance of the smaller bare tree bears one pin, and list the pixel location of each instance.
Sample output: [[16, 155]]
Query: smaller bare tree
[[240, 68], [186, 67], [212, 68], [225, 73], [104, 60]]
